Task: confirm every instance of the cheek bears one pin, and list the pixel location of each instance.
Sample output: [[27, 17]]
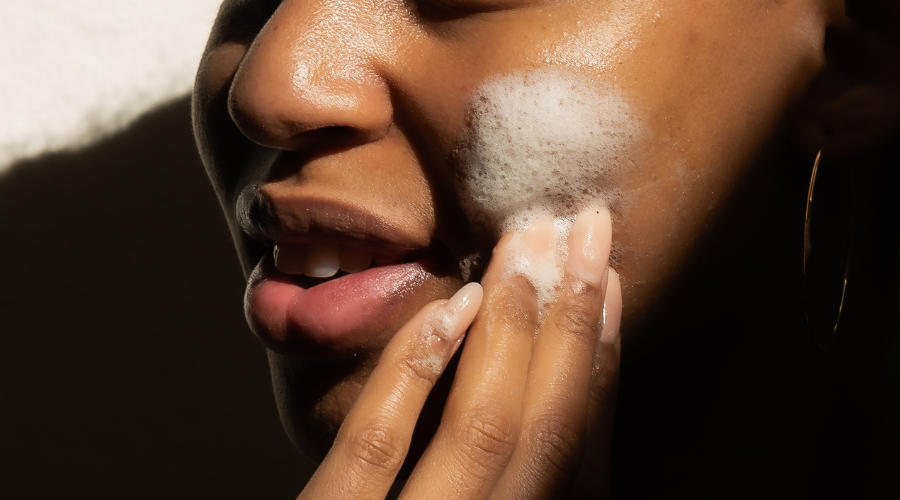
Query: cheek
[[709, 92]]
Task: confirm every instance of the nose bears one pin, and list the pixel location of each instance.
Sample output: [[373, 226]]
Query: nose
[[312, 75]]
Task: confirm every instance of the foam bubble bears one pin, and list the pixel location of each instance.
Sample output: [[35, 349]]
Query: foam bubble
[[542, 145]]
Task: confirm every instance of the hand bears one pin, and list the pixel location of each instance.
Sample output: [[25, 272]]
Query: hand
[[529, 416]]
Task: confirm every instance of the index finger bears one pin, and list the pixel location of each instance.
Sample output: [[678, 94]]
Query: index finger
[[373, 440]]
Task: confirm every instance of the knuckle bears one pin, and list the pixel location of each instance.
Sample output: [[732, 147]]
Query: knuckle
[[420, 369], [557, 444], [375, 451], [487, 438], [575, 318], [515, 298]]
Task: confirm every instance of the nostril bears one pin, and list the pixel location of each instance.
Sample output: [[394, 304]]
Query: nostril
[[297, 131], [340, 136], [326, 141], [315, 77], [336, 136]]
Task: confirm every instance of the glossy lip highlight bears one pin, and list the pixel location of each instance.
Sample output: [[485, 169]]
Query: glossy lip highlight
[[331, 317]]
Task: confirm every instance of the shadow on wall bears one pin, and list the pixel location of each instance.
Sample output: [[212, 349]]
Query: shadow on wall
[[127, 367]]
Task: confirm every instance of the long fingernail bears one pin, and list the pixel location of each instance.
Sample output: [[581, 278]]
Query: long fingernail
[[444, 329], [612, 308], [465, 301], [538, 240], [589, 244], [531, 252], [460, 310]]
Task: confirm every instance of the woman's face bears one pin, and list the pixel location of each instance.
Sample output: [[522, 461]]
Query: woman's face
[[357, 130]]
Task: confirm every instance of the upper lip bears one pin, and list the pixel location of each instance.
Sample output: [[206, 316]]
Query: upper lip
[[304, 220]]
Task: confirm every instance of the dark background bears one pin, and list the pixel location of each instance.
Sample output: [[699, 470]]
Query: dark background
[[126, 366]]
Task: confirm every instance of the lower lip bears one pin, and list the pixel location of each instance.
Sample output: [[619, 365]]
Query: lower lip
[[334, 316]]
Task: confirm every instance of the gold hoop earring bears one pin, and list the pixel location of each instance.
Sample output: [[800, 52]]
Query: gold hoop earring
[[826, 271]]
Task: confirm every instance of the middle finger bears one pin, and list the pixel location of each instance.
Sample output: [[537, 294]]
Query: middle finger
[[554, 415], [480, 423]]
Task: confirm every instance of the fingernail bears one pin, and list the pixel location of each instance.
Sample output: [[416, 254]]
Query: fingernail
[[531, 252], [612, 308], [466, 300], [539, 239], [460, 310], [530, 245], [443, 330], [589, 243]]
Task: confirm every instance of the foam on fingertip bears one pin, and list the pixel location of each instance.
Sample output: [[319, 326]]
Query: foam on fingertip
[[444, 327], [536, 252]]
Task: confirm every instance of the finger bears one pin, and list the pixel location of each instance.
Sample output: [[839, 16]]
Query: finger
[[596, 468], [480, 423], [373, 440], [555, 406]]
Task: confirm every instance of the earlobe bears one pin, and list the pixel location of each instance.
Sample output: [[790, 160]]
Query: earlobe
[[854, 105]]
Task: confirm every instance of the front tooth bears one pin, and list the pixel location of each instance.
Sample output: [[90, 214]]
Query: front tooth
[[289, 259], [322, 261], [355, 259]]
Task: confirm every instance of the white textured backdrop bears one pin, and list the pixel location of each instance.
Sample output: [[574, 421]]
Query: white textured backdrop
[[73, 71]]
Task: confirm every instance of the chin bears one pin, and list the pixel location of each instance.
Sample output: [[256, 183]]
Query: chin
[[316, 383], [315, 395]]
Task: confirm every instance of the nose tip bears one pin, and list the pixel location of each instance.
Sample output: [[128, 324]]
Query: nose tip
[[293, 88]]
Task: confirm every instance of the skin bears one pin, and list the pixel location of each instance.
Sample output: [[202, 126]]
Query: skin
[[364, 102]]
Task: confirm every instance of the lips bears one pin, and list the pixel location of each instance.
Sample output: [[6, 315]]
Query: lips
[[292, 317], [333, 282]]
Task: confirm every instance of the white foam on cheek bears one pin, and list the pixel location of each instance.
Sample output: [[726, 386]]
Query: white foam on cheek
[[542, 145]]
